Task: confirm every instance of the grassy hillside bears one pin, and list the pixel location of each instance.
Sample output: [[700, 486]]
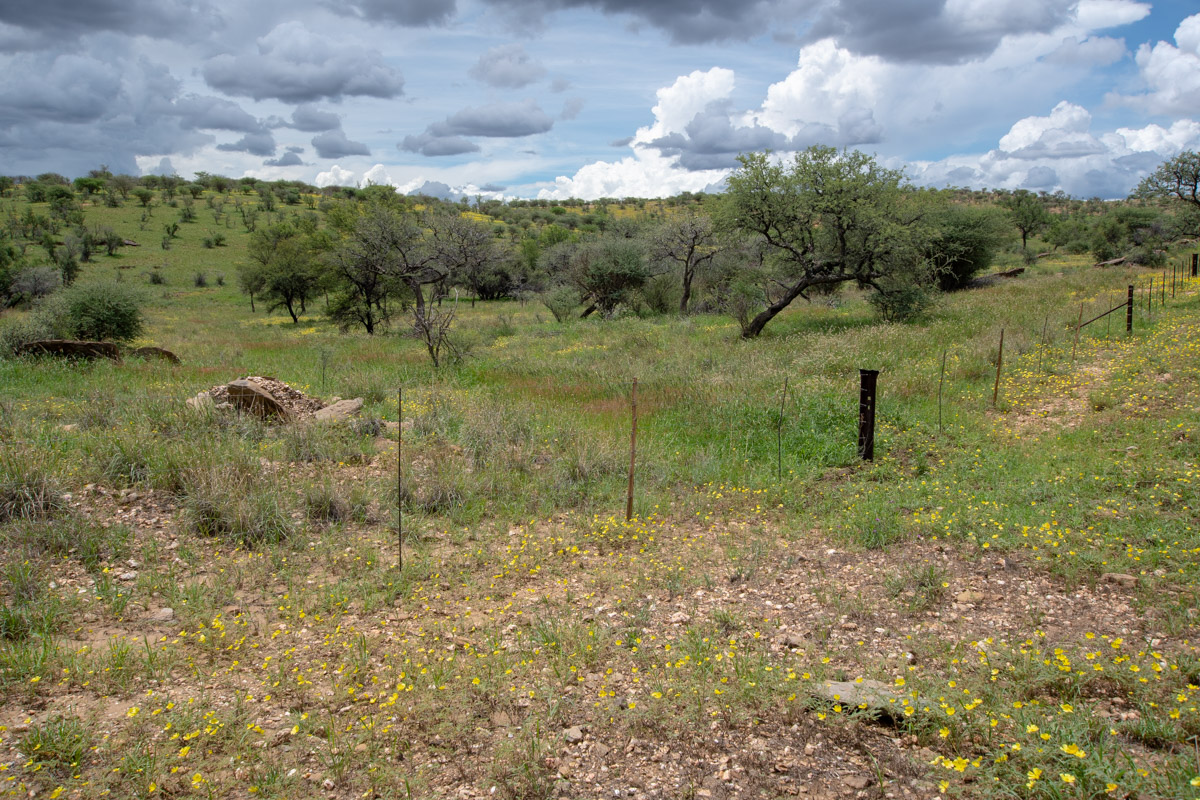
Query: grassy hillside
[[202, 605]]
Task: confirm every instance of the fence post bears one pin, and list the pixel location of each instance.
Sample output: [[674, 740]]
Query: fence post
[[1129, 310], [1078, 325], [779, 434], [1195, 263], [400, 480], [999, 364], [941, 381], [632, 451], [866, 413]]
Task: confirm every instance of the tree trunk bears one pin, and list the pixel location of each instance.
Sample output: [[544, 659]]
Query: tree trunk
[[687, 292], [759, 322]]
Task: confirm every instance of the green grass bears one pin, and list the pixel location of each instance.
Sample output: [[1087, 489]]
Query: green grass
[[524, 591]]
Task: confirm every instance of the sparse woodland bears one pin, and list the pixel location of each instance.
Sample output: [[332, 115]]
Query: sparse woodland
[[206, 604]]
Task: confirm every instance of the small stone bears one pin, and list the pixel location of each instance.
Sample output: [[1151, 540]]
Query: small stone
[[1119, 579], [360, 748], [857, 781], [969, 597], [573, 734], [680, 618], [128, 576], [601, 750], [163, 615]]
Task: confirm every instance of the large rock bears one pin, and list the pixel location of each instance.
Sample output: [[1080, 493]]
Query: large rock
[[67, 348], [252, 397], [156, 352], [339, 411]]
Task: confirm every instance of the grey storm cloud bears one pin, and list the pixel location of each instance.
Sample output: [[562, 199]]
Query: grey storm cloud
[[505, 120], [507, 67], [712, 141], [427, 144], [215, 113], [296, 65], [312, 120], [288, 159], [923, 31], [71, 112], [334, 144], [684, 21], [256, 144], [409, 13], [69, 18], [498, 120]]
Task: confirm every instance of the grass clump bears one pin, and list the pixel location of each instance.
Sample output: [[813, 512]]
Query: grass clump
[[59, 745], [28, 490], [236, 505]]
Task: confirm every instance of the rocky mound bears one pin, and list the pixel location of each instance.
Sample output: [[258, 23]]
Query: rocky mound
[[273, 399]]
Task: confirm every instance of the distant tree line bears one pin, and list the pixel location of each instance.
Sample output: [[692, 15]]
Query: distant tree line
[[792, 229]]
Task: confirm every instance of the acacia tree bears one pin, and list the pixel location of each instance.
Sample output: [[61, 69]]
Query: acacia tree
[[689, 240], [389, 246], [827, 217], [284, 269], [1027, 211], [1178, 177]]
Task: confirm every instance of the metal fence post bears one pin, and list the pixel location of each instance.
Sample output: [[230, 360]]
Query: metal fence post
[[866, 413]]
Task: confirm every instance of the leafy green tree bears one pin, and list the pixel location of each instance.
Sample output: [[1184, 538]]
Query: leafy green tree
[[607, 271], [284, 267], [1027, 212], [965, 242], [828, 217], [1178, 177]]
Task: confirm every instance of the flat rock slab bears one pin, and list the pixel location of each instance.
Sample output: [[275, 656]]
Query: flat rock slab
[[67, 348], [252, 397], [339, 411], [880, 699]]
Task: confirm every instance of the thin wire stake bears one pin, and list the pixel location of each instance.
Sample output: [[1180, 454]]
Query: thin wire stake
[[779, 434], [632, 451], [999, 364], [1042, 351], [1075, 346], [941, 380], [400, 480]]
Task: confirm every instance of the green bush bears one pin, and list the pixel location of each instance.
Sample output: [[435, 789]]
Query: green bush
[[94, 311]]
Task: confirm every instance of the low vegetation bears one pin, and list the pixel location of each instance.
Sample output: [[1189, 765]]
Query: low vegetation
[[206, 604]]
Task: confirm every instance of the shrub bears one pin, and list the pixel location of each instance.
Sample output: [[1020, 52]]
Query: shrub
[[96, 311], [561, 301]]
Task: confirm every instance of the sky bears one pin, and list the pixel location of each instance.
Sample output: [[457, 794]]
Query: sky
[[599, 98]]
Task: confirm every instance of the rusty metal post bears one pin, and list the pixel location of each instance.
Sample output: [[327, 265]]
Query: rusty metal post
[[1150, 296], [1129, 309], [1195, 263], [632, 451], [867, 379]]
